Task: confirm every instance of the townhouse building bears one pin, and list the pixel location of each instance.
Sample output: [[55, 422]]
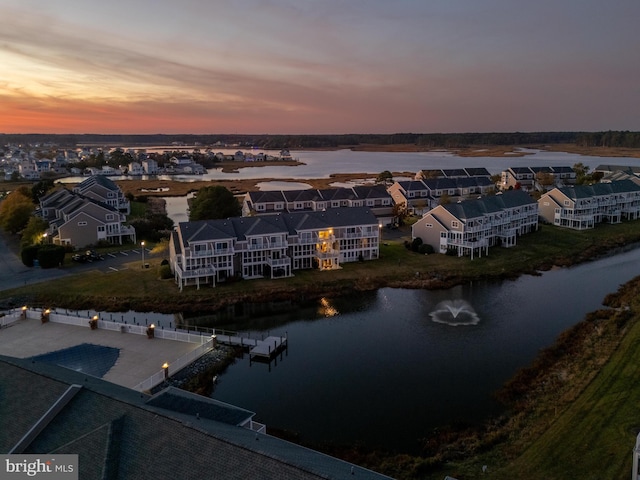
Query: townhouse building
[[271, 246], [470, 227], [537, 178], [82, 221], [420, 196], [583, 206], [104, 190], [452, 173], [374, 197]]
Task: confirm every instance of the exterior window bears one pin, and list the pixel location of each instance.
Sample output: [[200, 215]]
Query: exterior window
[[546, 204], [567, 203], [82, 224], [101, 228], [455, 224], [429, 225], [109, 216]]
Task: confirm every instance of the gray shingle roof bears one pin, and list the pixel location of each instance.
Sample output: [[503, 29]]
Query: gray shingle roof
[[117, 433]]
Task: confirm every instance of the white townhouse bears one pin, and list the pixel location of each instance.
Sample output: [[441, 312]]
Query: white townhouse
[[150, 166], [472, 226], [271, 246], [583, 206]]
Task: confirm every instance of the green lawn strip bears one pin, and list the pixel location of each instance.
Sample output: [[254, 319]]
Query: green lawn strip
[[593, 437]]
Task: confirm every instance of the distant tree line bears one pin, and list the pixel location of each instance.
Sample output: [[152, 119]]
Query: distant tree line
[[432, 140]]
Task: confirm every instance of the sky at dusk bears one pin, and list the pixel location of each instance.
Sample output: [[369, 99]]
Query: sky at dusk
[[318, 66]]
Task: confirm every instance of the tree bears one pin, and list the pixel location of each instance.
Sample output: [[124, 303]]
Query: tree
[[214, 203], [385, 177], [32, 233], [15, 210]]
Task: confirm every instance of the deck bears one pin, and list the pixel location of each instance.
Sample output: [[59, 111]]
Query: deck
[[266, 348]]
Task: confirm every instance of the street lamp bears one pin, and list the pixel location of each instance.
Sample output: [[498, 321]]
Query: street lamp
[[142, 243]]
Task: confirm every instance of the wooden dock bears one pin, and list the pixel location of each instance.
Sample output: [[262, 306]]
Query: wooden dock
[[266, 349]]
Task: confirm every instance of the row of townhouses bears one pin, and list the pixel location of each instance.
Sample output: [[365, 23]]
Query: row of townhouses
[[420, 196], [470, 227], [375, 197], [94, 211], [537, 178], [583, 206], [452, 173], [272, 246]]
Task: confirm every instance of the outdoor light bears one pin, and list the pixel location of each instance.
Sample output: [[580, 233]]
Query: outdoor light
[[165, 367], [214, 341], [151, 331], [23, 314], [142, 243]]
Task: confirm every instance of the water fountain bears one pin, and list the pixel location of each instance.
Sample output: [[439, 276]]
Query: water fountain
[[455, 313]]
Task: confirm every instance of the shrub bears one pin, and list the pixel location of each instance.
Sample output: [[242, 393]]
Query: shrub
[[50, 256], [426, 249], [29, 254], [165, 272], [415, 244]]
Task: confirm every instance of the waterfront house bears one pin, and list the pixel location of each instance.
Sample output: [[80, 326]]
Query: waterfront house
[[272, 246], [452, 173], [375, 197], [537, 178], [583, 206], [420, 196], [470, 227]]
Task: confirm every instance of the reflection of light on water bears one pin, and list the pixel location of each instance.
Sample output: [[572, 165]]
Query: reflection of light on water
[[326, 309], [455, 313]]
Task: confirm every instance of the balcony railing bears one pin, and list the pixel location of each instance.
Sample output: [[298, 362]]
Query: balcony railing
[[279, 262], [196, 272]]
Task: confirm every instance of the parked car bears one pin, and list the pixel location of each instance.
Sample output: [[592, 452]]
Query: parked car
[[79, 257], [92, 255], [88, 256]]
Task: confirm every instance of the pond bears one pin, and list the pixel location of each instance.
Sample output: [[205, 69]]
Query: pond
[[386, 368]]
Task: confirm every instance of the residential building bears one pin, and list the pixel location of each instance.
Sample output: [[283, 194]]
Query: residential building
[[375, 197], [583, 206], [452, 173], [81, 221], [104, 190], [210, 251], [537, 178], [420, 196], [121, 433], [150, 166], [470, 227]]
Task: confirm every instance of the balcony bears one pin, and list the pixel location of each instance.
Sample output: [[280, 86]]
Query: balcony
[[196, 272], [209, 253], [278, 262]]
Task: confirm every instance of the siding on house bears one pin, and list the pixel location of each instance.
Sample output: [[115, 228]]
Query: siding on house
[[583, 206], [470, 227], [273, 246]]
